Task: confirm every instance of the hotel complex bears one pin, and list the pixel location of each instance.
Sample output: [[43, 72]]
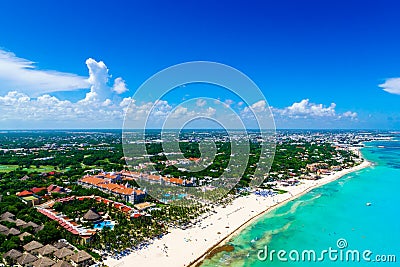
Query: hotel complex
[[107, 183]]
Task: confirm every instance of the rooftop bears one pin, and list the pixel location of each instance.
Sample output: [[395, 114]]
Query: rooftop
[[32, 246]]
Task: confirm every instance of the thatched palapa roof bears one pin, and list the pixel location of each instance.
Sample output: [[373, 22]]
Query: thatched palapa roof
[[81, 256], [3, 229], [62, 264], [92, 216], [46, 250], [60, 244], [26, 259], [13, 254], [8, 219], [43, 262], [20, 222], [62, 253], [34, 225], [32, 246], [13, 231], [7, 215]]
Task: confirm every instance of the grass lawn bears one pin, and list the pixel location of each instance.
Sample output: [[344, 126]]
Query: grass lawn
[[8, 168]]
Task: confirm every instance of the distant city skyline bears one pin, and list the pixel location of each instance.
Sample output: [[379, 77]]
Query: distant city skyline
[[320, 64]]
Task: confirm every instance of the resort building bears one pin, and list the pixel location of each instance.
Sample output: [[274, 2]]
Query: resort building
[[82, 258], [29, 198], [43, 262], [26, 259], [62, 264], [126, 175], [3, 229], [7, 215], [46, 251], [11, 256], [63, 253], [32, 246], [131, 195], [35, 254], [314, 167], [92, 216], [57, 189], [144, 206]]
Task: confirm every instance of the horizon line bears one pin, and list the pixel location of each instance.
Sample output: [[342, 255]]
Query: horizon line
[[189, 129]]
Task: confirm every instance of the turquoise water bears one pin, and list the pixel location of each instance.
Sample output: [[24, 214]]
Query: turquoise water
[[317, 220], [104, 224], [169, 197]]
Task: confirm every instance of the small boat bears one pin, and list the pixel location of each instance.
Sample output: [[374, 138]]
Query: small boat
[[368, 204]]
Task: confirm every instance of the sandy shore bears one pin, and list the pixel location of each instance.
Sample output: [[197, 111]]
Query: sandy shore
[[188, 247]]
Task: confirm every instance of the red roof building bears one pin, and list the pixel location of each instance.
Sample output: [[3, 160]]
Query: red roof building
[[25, 193], [37, 189]]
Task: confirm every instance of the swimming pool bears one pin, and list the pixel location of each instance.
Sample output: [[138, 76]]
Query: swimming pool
[[103, 224]]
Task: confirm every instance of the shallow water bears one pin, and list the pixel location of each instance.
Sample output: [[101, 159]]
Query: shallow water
[[336, 211]]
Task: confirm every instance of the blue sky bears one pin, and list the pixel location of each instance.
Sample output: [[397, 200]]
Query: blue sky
[[303, 55]]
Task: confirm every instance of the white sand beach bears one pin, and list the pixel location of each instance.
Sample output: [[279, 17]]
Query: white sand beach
[[187, 247]]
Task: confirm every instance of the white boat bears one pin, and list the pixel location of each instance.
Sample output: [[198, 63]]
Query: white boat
[[368, 204]]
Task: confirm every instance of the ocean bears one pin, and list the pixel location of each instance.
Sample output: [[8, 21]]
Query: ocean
[[353, 221]]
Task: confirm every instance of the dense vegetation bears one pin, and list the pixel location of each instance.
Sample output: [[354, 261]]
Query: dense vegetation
[[71, 155]]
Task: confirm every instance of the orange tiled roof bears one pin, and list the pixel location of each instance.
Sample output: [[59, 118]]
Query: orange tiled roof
[[124, 191], [109, 187], [38, 189], [153, 177], [93, 180], [126, 209], [139, 192], [24, 193], [115, 188], [176, 180]]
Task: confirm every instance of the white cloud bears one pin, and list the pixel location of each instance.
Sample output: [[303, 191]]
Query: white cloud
[[308, 110], [350, 114], [179, 112], [30, 101], [305, 108], [210, 112], [201, 102], [119, 86], [229, 102], [19, 107], [22, 75], [391, 85], [98, 79], [49, 110], [13, 98], [260, 106], [126, 101], [19, 74]]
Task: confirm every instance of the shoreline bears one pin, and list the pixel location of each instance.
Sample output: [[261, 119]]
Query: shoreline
[[364, 164], [190, 247]]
